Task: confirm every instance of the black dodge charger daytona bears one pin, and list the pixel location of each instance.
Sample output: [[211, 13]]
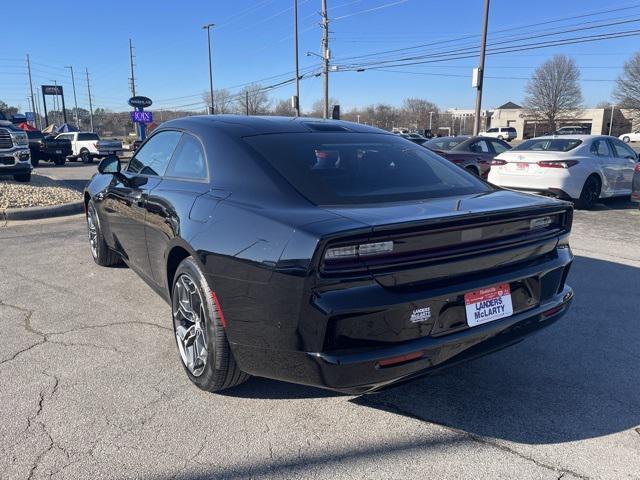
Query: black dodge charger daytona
[[326, 253]]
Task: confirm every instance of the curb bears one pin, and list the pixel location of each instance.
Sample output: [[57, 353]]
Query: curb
[[33, 213]]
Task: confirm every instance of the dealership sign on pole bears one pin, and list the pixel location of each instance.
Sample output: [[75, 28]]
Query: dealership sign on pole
[[139, 116]]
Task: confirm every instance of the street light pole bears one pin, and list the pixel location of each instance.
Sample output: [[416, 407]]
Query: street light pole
[[208, 28], [483, 47], [75, 100], [611, 119], [430, 120], [295, 30]]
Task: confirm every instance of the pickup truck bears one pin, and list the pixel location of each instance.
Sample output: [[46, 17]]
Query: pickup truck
[[87, 145], [14, 152], [48, 148]]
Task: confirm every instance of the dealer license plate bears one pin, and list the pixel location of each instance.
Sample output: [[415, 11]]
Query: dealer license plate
[[58, 152], [488, 304]]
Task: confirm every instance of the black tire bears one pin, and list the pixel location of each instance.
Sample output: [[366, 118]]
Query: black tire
[[590, 193], [85, 156], [59, 161], [35, 162], [102, 254], [220, 370], [22, 177], [500, 137], [626, 139]]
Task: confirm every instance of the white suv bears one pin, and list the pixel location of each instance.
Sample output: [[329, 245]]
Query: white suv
[[503, 133]]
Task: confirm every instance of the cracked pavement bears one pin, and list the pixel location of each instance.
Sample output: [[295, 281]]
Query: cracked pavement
[[91, 385]]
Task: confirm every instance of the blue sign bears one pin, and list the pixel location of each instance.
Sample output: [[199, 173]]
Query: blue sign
[[141, 117], [31, 116]]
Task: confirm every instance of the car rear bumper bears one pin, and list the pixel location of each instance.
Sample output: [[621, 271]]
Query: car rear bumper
[[555, 182], [359, 373], [360, 368]]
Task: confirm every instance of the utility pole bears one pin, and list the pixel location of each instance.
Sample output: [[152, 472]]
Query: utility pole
[[208, 28], [90, 104], [55, 98], [75, 100], [33, 103], [325, 57], [246, 101], [483, 47], [430, 120], [296, 102], [132, 79]]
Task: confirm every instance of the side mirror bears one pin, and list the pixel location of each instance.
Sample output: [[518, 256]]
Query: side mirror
[[110, 164]]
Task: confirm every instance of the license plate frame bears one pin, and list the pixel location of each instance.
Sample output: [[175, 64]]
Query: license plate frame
[[488, 304]]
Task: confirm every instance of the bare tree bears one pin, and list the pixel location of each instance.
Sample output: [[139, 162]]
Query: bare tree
[[283, 108], [553, 93], [627, 89], [415, 112], [253, 100], [317, 109], [222, 101]]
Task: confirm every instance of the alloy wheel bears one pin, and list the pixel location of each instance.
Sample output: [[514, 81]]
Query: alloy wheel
[[189, 321], [92, 229]]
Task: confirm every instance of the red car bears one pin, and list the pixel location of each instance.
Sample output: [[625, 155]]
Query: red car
[[474, 154]]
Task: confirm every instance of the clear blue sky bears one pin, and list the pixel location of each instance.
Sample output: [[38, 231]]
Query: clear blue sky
[[253, 41]]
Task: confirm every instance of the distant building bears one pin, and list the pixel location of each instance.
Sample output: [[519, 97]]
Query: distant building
[[594, 120]]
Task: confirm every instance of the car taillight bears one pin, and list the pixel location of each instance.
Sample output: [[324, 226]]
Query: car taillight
[[557, 164], [498, 162], [637, 169], [457, 161], [354, 251], [96, 145]]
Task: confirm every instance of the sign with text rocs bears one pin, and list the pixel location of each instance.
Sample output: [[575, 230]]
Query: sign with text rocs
[[140, 102], [141, 117]]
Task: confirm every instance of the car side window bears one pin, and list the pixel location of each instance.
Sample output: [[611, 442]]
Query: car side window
[[499, 147], [599, 148], [623, 150], [188, 161], [479, 147], [154, 156]]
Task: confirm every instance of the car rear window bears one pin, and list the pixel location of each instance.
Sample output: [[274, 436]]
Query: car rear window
[[549, 144], [356, 168], [87, 136], [444, 143]]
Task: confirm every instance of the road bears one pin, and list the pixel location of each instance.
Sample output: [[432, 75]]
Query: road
[[92, 387]]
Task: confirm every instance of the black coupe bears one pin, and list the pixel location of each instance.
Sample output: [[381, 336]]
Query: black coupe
[[326, 253]]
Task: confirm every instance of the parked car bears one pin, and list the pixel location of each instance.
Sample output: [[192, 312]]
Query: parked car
[[414, 137], [444, 143], [14, 152], [326, 253], [87, 145], [581, 168], [503, 133], [475, 154], [47, 148], [572, 130], [630, 137]]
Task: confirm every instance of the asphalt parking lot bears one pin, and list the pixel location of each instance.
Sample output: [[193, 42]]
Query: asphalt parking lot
[[91, 385]]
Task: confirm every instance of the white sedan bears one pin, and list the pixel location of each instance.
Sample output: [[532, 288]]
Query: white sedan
[[581, 168], [630, 137]]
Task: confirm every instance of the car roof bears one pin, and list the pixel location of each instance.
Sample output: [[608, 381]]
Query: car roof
[[245, 125], [577, 136]]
